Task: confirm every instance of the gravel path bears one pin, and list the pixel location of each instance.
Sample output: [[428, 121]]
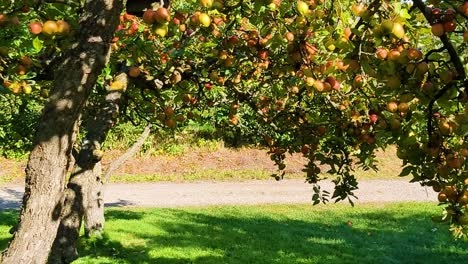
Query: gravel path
[[232, 193]]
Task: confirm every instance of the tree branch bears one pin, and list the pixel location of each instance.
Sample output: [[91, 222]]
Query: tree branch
[[130, 152]]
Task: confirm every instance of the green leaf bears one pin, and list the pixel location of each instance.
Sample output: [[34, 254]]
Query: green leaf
[[38, 44], [404, 14], [406, 171]]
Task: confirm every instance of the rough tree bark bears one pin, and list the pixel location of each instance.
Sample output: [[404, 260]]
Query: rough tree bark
[[85, 177], [49, 160]]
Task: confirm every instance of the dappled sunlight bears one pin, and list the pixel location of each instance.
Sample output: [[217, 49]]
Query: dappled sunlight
[[370, 233], [277, 234]]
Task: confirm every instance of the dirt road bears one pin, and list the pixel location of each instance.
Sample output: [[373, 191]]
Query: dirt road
[[232, 193]]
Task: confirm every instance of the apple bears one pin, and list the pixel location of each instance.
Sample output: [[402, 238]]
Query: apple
[[422, 67], [149, 16], [428, 87], [263, 54], [359, 9], [335, 85], [394, 54], [222, 55], [206, 3], [50, 28], [169, 111], [187, 98], [134, 72], [35, 28], [208, 86], [233, 119], [170, 123], [21, 70], [26, 61], [161, 29], [414, 54], [387, 26], [410, 67], [218, 4], [450, 26], [302, 8], [289, 36], [403, 107], [446, 76], [204, 19], [295, 89], [445, 128], [451, 192], [162, 15], [63, 28], [233, 40], [305, 149], [438, 29], [220, 80], [465, 36], [398, 30], [442, 197], [464, 152], [373, 118], [454, 162], [319, 86], [132, 29], [392, 107], [358, 81], [229, 62], [3, 19], [327, 87], [218, 20], [322, 130], [381, 53], [464, 8]]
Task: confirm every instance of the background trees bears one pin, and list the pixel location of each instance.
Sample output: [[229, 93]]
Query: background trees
[[333, 80]]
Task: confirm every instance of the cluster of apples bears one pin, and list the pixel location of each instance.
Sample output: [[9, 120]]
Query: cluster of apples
[[159, 18], [50, 28], [443, 21], [452, 195], [18, 87], [170, 119]]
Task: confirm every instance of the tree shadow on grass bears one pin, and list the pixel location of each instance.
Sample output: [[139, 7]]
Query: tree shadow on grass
[[193, 236]]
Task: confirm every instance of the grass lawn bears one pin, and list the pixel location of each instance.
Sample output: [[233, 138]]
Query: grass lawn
[[388, 233]]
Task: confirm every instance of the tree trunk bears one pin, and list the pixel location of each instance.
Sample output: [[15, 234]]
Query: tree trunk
[[94, 212], [49, 160], [81, 187]]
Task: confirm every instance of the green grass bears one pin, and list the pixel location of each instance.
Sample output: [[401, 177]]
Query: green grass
[[388, 233]]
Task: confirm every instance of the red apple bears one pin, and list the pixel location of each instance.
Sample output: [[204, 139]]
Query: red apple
[[35, 28]]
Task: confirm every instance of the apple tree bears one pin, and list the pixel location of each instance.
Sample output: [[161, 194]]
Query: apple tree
[[333, 80]]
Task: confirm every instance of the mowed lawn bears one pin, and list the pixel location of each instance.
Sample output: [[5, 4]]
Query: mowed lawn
[[369, 233]]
